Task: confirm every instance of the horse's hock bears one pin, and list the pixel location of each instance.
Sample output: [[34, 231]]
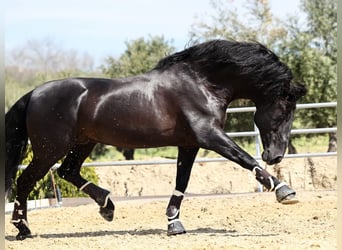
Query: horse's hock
[[217, 177]]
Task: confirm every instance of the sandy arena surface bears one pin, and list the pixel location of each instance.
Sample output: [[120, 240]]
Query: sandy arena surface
[[227, 220]]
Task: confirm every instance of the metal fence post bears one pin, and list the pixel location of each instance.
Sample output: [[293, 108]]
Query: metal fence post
[[258, 151]]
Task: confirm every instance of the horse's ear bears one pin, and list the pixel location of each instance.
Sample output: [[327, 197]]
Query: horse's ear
[[297, 91]]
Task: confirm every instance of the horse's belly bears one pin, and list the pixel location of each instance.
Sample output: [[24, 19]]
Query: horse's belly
[[138, 138]]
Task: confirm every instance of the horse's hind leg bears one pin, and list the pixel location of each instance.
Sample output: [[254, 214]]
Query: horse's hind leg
[[186, 157], [25, 183], [70, 171]]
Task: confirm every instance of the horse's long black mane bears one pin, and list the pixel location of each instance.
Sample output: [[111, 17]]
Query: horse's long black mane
[[251, 60]]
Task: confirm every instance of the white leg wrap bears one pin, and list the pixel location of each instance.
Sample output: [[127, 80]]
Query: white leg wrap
[[17, 202], [256, 167], [106, 200], [23, 220], [279, 185], [272, 184], [81, 188], [177, 193]]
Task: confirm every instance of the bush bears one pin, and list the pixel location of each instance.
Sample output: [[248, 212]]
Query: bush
[[44, 187]]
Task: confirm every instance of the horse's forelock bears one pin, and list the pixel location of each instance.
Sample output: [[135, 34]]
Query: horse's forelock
[[298, 90], [292, 93]]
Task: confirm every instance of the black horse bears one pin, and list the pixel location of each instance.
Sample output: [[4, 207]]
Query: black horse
[[181, 102]]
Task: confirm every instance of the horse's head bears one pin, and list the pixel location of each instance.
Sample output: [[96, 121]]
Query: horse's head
[[274, 120]]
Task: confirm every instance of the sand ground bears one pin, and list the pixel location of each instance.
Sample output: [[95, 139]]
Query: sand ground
[[234, 218]]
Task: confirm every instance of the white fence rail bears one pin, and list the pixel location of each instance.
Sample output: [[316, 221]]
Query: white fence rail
[[255, 133], [293, 131]]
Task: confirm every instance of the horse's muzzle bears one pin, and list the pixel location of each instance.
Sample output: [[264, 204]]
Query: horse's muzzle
[[271, 160], [275, 160]]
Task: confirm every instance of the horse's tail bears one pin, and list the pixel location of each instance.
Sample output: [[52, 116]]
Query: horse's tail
[[16, 138]]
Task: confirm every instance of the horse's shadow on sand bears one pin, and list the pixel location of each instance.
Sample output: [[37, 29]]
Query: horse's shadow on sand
[[207, 230]]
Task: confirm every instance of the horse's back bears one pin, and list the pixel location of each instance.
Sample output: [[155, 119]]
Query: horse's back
[[60, 97], [118, 112], [132, 112]]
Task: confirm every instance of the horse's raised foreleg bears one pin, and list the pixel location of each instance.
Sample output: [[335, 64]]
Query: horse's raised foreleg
[[70, 171], [284, 193], [218, 141], [25, 183], [186, 157]]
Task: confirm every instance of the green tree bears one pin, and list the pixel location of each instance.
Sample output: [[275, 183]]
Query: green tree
[[322, 25], [139, 57], [310, 51], [262, 26]]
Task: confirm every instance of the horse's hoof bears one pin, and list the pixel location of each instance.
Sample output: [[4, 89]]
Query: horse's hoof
[[23, 236], [285, 195], [175, 227], [24, 231], [106, 213], [290, 199]]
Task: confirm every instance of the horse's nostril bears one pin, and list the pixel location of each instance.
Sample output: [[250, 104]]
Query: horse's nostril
[[271, 160], [275, 160], [264, 155]]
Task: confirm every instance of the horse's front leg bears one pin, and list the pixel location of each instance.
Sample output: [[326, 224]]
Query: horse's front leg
[[218, 141], [186, 157]]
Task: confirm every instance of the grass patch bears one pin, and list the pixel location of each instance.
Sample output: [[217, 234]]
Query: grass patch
[[311, 143]]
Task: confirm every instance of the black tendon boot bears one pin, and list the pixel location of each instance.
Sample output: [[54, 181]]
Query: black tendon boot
[[101, 196], [19, 220], [172, 212]]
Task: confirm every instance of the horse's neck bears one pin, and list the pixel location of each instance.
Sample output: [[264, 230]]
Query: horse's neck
[[243, 91]]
